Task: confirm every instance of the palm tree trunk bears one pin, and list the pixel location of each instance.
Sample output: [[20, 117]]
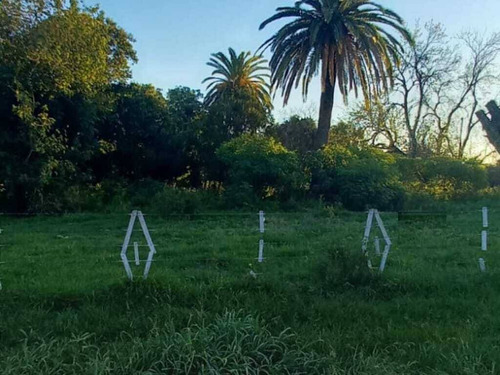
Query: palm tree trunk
[[325, 115]]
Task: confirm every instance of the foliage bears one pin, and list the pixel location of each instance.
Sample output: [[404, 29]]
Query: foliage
[[347, 134], [231, 344], [296, 133], [134, 136], [442, 178], [262, 165], [238, 72], [56, 62], [76, 135], [346, 39], [238, 91], [358, 178]]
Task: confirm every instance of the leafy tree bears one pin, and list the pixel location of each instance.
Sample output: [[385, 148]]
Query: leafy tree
[[260, 167], [347, 134], [238, 92], [351, 41], [152, 136], [134, 135], [56, 63], [296, 133], [193, 146]]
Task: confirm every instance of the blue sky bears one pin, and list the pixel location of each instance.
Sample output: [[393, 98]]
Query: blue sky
[[174, 38]]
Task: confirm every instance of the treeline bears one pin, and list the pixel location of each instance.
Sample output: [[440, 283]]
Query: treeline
[[75, 134]]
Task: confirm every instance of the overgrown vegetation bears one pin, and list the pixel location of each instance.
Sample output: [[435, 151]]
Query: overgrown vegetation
[[313, 307], [77, 135]]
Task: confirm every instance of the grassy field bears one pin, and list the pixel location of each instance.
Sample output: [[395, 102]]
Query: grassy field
[[314, 307]]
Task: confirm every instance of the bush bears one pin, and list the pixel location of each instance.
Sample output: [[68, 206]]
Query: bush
[[171, 200], [442, 178], [262, 166], [358, 178]]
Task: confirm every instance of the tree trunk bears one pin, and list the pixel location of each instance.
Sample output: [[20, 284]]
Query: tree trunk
[[491, 125], [325, 115]]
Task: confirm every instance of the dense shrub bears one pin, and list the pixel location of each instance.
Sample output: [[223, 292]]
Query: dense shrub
[[259, 167], [358, 178], [442, 178]]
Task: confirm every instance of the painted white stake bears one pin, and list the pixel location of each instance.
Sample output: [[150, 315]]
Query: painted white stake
[[368, 228], [261, 251], [384, 258], [482, 265], [262, 220], [152, 250], [126, 241], [136, 254], [484, 240], [382, 228], [377, 246], [369, 222], [485, 217]]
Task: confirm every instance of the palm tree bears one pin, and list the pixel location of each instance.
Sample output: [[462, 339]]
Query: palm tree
[[350, 39], [243, 73]]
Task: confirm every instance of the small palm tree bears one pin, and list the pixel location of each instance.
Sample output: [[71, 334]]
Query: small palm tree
[[347, 41], [244, 73]]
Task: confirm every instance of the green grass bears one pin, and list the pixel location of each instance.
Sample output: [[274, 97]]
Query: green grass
[[314, 307]]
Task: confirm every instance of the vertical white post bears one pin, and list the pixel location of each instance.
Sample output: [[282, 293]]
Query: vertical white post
[[482, 265], [377, 246], [368, 228], [126, 242], [262, 220], [484, 240], [136, 254], [152, 250], [261, 251], [485, 217]]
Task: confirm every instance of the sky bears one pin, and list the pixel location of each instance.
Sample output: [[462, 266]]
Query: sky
[[174, 38]]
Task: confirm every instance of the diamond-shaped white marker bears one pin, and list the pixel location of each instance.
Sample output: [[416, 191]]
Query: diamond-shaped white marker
[[126, 242], [369, 223]]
